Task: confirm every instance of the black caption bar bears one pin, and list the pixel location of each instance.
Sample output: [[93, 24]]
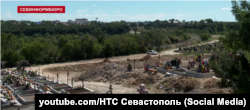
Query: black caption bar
[[148, 101]]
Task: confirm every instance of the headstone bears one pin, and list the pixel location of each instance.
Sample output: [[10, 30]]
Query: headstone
[[129, 67], [67, 77], [134, 64]]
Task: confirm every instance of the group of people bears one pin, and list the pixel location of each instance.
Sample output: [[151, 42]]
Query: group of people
[[203, 65], [175, 62], [147, 67]]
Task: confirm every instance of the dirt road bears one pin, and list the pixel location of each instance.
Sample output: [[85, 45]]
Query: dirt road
[[100, 87]]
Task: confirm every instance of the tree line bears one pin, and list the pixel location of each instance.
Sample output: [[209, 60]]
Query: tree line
[[41, 49]]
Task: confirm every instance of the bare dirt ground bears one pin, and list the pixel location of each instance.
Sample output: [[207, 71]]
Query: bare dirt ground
[[130, 84]]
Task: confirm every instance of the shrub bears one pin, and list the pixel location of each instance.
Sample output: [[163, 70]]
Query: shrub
[[205, 36]]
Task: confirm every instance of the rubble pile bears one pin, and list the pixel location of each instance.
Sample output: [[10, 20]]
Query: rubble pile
[[211, 83], [106, 61], [184, 84], [103, 74], [115, 73], [147, 57]]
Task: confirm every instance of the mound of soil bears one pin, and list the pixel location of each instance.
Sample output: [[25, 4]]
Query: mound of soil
[[184, 84], [115, 73], [106, 72], [212, 83], [147, 57], [106, 61]]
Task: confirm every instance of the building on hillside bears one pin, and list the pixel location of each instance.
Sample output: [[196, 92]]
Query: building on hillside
[[56, 21], [71, 22], [65, 24], [17, 22], [82, 21]]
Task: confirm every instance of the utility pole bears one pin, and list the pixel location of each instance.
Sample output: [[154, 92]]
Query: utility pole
[[42, 73]]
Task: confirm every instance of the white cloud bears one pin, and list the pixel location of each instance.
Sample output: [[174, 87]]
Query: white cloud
[[7, 15], [81, 11], [225, 8], [117, 12], [99, 11], [94, 5]]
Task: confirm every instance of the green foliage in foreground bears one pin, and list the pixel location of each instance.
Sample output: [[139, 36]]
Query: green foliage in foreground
[[236, 72]]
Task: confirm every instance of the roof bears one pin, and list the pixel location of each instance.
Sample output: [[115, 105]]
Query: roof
[[82, 19]]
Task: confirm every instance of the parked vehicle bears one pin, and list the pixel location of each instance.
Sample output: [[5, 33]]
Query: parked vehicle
[[152, 52]]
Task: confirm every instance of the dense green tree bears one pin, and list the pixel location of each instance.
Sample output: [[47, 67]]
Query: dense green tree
[[235, 72], [209, 20]]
